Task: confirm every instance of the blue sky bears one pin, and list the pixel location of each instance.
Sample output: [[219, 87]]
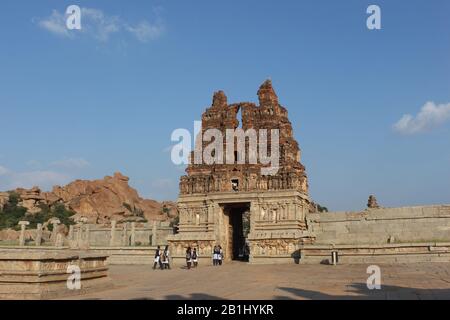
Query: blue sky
[[84, 104]]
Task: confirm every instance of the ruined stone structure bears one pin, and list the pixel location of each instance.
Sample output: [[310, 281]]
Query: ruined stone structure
[[380, 235], [215, 197], [43, 274], [372, 202]]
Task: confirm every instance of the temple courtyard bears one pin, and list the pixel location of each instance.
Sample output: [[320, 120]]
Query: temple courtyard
[[238, 280]]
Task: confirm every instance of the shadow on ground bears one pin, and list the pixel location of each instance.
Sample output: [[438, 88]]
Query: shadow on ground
[[359, 291]]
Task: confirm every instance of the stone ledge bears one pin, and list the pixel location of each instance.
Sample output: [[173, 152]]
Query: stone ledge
[[374, 246], [35, 274]]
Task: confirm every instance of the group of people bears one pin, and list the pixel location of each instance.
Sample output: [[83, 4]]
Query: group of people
[[191, 258], [217, 255], [162, 258]]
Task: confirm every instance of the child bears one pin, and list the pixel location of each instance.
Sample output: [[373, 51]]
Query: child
[[215, 255], [220, 255], [166, 255], [157, 258], [188, 257], [195, 258]]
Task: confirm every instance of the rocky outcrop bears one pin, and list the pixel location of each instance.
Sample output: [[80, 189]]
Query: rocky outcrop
[[372, 202], [98, 201], [4, 196]]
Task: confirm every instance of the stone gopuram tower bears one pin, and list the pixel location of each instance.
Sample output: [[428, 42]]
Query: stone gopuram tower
[[252, 216]]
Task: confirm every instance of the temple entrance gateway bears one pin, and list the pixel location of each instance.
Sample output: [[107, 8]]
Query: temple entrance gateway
[[237, 228], [239, 204]]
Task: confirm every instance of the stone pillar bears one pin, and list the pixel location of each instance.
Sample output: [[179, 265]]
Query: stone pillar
[[79, 238], [55, 229], [88, 235], [197, 219], [59, 242], [283, 211], [253, 215], [133, 234], [289, 211], [38, 239], [211, 214], [70, 236], [154, 231], [23, 225], [113, 233], [125, 235]]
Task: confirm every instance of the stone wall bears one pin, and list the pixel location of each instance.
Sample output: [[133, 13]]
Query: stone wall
[[142, 255], [91, 235], [277, 224], [380, 235], [143, 236], [383, 225]]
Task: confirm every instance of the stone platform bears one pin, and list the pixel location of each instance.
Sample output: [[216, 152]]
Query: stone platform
[[43, 274], [376, 253]]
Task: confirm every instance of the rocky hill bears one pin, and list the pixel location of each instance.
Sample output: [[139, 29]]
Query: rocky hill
[[97, 201]]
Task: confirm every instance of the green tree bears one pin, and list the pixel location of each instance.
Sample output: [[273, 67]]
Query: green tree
[[59, 211], [12, 213]]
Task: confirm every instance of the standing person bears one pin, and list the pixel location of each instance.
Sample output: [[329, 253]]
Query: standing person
[[215, 255], [188, 257], [195, 258], [166, 255], [162, 260], [157, 258], [220, 255]]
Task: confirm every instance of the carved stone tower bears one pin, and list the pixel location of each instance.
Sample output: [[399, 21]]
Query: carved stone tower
[[251, 214]]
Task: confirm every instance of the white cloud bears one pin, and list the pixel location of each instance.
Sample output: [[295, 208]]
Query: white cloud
[[163, 189], [3, 171], [162, 184], [44, 179], [101, 26], [56, 24], [145, 31], [70, 163], [429, 117], [33, 163]]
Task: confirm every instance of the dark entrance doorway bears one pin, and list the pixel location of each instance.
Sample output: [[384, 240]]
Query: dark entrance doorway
[[238, 229]]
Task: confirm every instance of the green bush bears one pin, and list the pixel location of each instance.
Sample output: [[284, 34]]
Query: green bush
[[59, 211], [12, 213]]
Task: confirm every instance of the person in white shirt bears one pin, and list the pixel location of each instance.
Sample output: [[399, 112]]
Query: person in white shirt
[[195, 258], [166, 256], [157, 258]]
